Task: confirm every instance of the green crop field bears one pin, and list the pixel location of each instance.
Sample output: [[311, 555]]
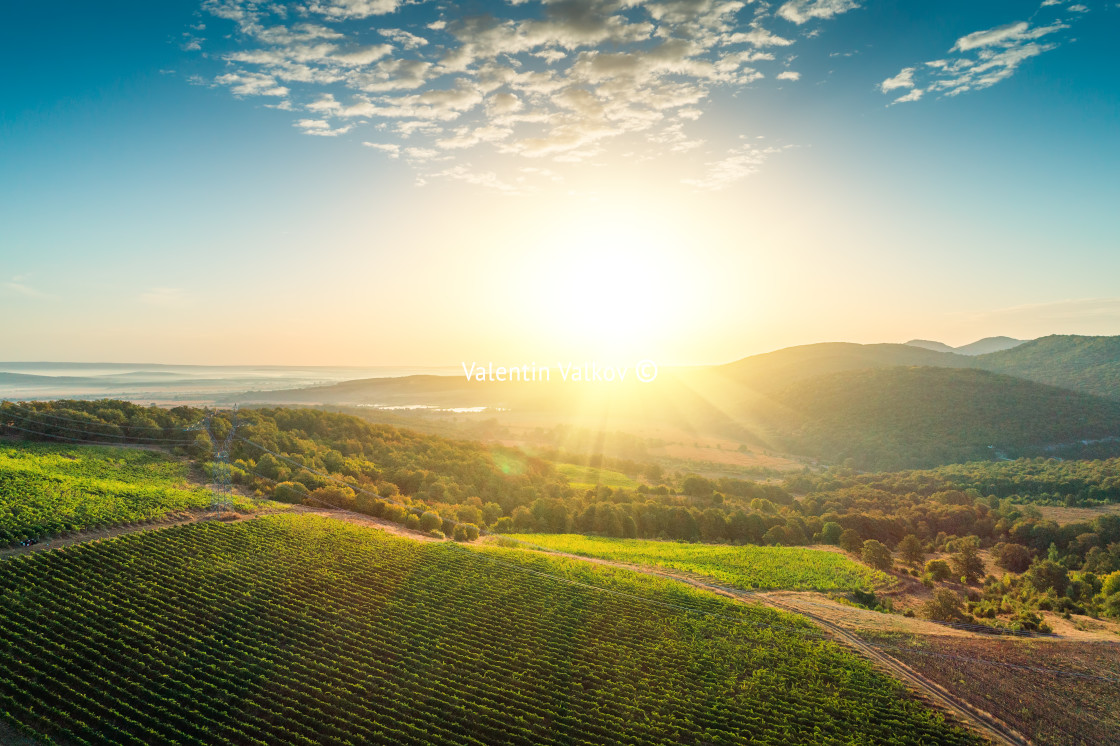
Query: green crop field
[[590, 477], [48, 488], [307, 630], [748, 567]]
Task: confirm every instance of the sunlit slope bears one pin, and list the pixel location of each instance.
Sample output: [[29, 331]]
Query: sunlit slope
[[747, 567], [47, 488], [917, 417], [303, 630], [1087, 364]]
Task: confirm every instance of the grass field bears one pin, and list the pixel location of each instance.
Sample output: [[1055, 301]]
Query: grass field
[[48, 488], [306, 630], [746, 567], [587, 476]]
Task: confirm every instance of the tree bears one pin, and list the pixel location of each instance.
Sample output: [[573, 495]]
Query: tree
[[430, 521], [697, 486], [966, 560], [945, 606], [830, 533], [850, 541], [289, 492], [912, 550], [939, 570], [1012, 557], [465, 532], [876, 554], [1047, 574]]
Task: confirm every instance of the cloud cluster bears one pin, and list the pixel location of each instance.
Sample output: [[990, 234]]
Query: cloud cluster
[[558, 80], [983, 58]]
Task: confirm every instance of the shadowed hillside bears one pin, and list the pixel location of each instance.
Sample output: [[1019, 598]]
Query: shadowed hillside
[[915, 417], [1087, 364]]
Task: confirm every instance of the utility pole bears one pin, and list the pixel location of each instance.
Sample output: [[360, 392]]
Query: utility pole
[[222, 501]]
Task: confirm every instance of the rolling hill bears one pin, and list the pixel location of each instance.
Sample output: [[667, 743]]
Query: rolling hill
[[979, 347], [1087, 364], [917, 417]]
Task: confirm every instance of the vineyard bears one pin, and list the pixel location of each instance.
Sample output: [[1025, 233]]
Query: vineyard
[[746, 567], [46, 489], [305, 630]]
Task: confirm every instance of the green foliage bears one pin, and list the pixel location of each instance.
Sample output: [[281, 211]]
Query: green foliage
[[304, 630], [1087, 364], [912, 550], [876, 554], [590, 476], [850, 541], [966, 561], [901, 418], [465, 532], [939, 570], [946, 606], [746, 567], [290, 492], [46, 489]]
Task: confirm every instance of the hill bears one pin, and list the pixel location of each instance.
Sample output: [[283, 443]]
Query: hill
[[46, 489], [979, 347], [989, 345], [1087, 364], [308, 630], [927, 344], [777, 369], [919, 417]]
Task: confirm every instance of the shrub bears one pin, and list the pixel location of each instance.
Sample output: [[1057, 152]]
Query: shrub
[[876, 554], [430, 521], [289, 492], [465, 532], [938, 570]]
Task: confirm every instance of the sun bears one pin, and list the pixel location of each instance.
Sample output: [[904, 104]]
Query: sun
[[610, 283]]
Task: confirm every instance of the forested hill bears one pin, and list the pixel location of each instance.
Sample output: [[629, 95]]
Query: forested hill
[[775, 370], [917, 417], [1087, 364]]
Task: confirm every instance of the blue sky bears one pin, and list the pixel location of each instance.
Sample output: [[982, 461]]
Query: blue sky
[[370, 182]]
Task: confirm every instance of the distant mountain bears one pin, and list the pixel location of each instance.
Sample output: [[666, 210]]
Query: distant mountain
[[927, 344], [916, 417], [980, 347], [778, 369], [989, 345], [1087, 364]]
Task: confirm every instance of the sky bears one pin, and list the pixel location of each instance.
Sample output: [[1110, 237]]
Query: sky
[[388, 182]]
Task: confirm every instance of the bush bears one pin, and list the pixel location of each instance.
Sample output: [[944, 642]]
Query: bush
[[430, 521], [945, 606], [289, 492], [850, 541], [465, 532], [876, 554], [938, 570]]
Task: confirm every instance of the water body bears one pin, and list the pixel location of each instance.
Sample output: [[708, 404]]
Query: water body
[[142, 382]]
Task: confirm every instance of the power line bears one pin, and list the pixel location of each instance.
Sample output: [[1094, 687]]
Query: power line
[[131, 438], [881, 646]]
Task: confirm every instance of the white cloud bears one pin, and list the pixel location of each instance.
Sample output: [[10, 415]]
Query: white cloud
[[252, 84], [800, 11], [904, 79], [736, 165], [560, 80], [321, 127], [980, 59]]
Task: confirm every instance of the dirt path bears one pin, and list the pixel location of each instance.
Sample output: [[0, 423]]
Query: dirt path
[[195, 516], [929, 691]]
